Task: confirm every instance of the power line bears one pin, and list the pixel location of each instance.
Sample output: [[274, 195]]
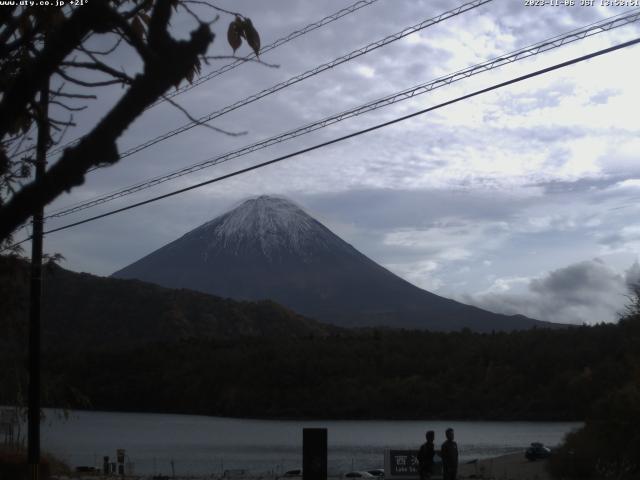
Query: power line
[[240, 61], [355, 134], [544, 46], [275, 88], [309, 73], [293, 35]]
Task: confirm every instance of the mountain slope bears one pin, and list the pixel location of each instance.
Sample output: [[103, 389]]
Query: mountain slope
[[82, 311], [269, 248]]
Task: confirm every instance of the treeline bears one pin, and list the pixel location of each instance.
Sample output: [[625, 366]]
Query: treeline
[[537, 374], [608, 446], [83, 311]]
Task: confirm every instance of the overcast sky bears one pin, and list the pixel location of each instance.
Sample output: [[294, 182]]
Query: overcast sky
[[522, 200]]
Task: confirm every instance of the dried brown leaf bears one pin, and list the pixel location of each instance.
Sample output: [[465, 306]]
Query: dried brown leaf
[[145, 18], [137, 26], [233, 34], [251, 34]]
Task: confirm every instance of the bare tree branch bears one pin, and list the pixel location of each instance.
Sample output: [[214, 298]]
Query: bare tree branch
[[214, 7], [73, 95], [103, 52], [10, 23], [26, 149], [84, 83], [60, 43], [194, 15], [99, 66], [134, 39], [67, 107], [55, 122], [18, 146], [200, 123], [62, 134], [170, 62], [246, 59], [144, 6]]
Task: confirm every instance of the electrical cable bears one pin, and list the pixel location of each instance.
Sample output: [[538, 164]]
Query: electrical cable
[[240, 61], [303, 76], [544, 46], [352, 135], [293, 35]]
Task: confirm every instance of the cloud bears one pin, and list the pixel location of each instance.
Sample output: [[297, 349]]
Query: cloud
[[423, 274], [582, 293], [446, 240], [481, 196], [632, 275]]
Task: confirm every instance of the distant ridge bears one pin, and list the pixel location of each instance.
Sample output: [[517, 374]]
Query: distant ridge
[[83, 311], [269, 248]]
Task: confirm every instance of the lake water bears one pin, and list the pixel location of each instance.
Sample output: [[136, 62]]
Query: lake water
[[209, 445]]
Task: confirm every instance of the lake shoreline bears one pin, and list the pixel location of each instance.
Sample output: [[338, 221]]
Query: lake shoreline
[[202, 446], [512, 466], [523, 419]]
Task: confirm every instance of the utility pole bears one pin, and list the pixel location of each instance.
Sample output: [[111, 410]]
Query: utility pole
[[35, 295]]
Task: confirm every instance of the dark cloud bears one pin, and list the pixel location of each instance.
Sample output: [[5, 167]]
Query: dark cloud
[[575, 283], [578, 186], [632, 275], [612, 240], [586, 292]]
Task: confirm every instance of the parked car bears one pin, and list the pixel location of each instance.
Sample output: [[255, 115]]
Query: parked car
[[365, 475], [537, 451], [292, 473], [377, 472]]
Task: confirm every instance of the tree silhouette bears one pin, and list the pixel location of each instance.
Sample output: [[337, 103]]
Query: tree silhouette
[[41, 44]]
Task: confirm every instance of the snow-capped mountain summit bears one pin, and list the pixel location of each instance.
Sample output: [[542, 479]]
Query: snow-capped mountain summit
[[269, 248], [271, 224]]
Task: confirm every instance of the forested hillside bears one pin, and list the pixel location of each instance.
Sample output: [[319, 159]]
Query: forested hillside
[[206, 355], [87, 312], [539, 374]]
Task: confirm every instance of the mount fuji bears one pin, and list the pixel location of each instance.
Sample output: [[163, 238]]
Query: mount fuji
[[269, 248]]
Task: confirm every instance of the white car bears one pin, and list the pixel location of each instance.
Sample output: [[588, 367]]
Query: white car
[[365, 475]]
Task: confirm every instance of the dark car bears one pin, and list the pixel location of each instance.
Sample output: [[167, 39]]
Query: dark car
[[293, 473], [376, 472], [537, 451]]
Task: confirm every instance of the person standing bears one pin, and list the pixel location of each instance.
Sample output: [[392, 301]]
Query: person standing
[[425, 456], [449, 454]]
